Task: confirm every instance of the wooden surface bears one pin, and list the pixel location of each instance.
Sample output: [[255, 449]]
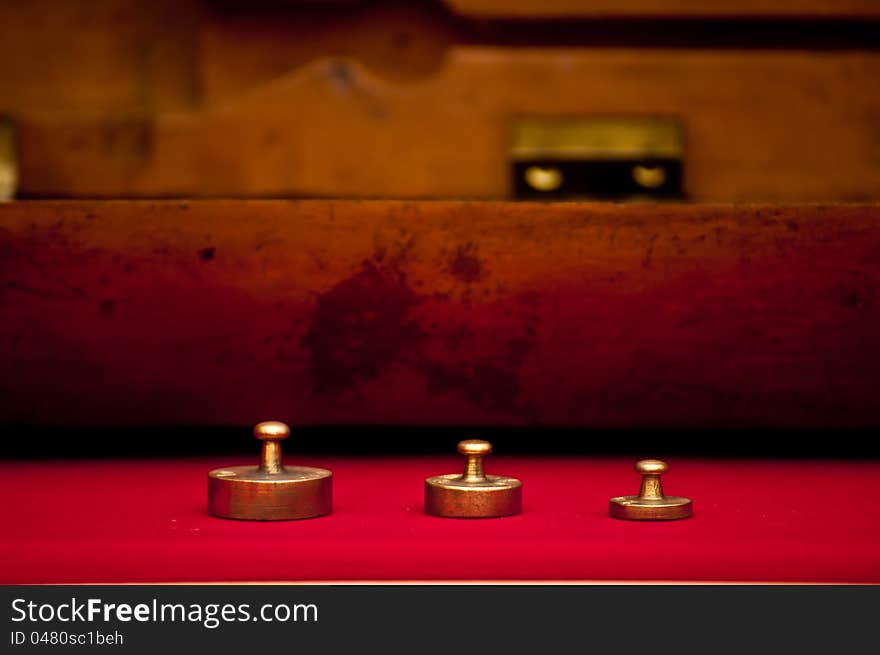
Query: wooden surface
[[116, 98], [764, 126], [129, 313]]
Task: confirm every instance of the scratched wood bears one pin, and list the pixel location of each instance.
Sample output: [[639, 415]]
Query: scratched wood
[[323, 312], [136, 98]]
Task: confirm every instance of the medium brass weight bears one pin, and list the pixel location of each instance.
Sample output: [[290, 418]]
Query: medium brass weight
[[473, 494], [270, 491], [651, 504]]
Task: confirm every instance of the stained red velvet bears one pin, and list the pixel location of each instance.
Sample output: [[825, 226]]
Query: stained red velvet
[[145, 521]]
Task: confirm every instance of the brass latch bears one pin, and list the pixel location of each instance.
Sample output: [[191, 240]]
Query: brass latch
[[597, 158]]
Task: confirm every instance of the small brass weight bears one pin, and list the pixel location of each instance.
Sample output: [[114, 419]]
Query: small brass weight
[[473, 494], [651, 504], [270, 491]]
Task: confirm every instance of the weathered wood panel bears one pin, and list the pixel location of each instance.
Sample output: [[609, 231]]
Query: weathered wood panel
[[438, 313], [129, 98], [109, 58], [759, 126]]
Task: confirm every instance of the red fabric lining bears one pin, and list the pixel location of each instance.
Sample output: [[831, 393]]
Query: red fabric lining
[[145, 521]]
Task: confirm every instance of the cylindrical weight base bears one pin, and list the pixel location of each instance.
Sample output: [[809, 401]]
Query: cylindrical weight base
[[449, 496], [246, 492], [634, 508]]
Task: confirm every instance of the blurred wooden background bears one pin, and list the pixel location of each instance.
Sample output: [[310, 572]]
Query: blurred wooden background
[[779, 101], [438, 313]]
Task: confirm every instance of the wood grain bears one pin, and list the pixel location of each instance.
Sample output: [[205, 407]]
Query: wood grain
[[760, 126], [175, 99], [323, 312]]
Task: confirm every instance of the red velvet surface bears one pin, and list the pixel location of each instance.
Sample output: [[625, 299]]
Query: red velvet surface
[[145, 521]]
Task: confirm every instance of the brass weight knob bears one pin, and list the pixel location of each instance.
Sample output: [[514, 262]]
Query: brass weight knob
[[651, 504], [270, 491], [472, 493]]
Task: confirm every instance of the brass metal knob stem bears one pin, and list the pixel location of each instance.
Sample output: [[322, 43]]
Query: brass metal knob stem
[[271, 459], [474, 450], [271, 433], [651, 487], [651, 470]]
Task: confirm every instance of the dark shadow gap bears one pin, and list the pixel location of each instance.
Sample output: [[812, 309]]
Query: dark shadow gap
[[40, 443]]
